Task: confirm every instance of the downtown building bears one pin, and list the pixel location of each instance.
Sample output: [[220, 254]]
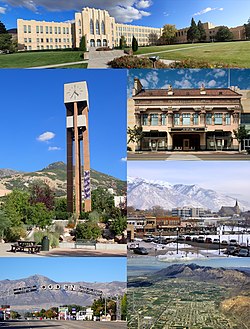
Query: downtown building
[[185, 119], [96, 25]]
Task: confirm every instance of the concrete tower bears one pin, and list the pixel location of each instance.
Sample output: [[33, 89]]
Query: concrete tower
[[77, 108]]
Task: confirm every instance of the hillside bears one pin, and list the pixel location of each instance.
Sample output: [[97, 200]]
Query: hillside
[[55, 176], [54, 297]]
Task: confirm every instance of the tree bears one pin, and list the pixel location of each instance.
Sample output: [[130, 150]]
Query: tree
[[40, 216], [83, 44], [169, 34], [134, 44], [193, 33], [6, 43], [102, 200], [240, 134], [3, 28], [152, 38], [202, 32], [4, 223], [119, 225], [41, 193], [247, 29], [223, 34], [122, 42], [88, 231], [135, 135], [61, 209], [124, 307], [15, 207]]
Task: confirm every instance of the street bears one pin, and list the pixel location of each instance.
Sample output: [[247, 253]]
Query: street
[[33, 324]]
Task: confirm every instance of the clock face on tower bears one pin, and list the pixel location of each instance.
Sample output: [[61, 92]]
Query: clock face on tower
[[75, 92]]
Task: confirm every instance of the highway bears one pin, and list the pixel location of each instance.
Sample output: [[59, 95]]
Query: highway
[[35, 324]]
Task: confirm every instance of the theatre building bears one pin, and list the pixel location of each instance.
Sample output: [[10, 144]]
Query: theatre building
[[185, 119]]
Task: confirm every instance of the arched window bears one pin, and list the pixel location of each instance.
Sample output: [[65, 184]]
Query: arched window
[[97, 27], [79, 23], [103, 28], [91, 26]]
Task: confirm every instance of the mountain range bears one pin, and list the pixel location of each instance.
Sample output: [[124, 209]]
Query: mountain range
[[144, 194], [48, 298], [55, 176]]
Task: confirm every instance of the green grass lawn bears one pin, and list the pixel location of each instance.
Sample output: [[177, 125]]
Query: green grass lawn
[[232, 53], [33, 59]]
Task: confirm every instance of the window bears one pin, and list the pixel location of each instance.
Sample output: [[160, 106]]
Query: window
[[80, 31], [30, 48], [218, 118], [42, 47], [56, 40], [51, 40], [195, 117], [186, 119], [29, 28], [30, 40], [154, 119], [25, 39], [41, 39], [163, 119], [176, 119], [41, 29], [97, 27], [67, 30], [209, 118], [59, 30], [47, 40], [144, 119], [64, 30], [103, 27], [25, 28], [55, 29], [37, 39], [79, 23], [228, 118], [47, 47], [91, 27], [37, 29], [59, 40], [50, 29], [47, 29]]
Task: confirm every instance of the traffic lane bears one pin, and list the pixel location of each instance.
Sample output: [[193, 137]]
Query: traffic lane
[[62, 324]]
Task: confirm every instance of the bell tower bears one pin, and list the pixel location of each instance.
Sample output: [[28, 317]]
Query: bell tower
[[77, 135]]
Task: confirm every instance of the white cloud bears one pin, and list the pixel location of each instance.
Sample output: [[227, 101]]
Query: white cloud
[[211, 83], [165, 14], [124, 11], [184, 83], [124, 159], [145, 83], [54, 148], [206, 10], [3, 10], [219, 73], [48, 135]]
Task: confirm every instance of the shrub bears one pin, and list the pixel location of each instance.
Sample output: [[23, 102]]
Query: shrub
[[88, 230], [192, 63], [103, 49], [133, 62], [53, 238], [14, 233]]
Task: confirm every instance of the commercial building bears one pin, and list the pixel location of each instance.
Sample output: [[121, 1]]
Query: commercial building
[[96, 25], [186, 212], [185, 119]]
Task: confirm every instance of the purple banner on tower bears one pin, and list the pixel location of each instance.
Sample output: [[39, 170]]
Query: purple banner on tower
[[86, 184]]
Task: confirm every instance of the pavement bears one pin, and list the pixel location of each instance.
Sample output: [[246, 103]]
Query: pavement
[[33, 324], [193, 156], [57, 252], [99, 59], [58, 65]]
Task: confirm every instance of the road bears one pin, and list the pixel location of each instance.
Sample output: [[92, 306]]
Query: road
[[34, 324], [193, 156]]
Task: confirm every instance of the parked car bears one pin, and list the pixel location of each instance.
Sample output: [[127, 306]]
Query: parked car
[[195, 239], [233, 242], [181, 238], [208, 240], [141, 251], [243, 252], [148, 239], [200, 239], [224, 242], [188, 238], [216, 241], [231, 250]]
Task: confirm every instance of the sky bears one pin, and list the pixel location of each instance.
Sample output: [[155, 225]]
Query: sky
[[190, 78], [153, 13], [227, 177], [59, 269], [33, 118]]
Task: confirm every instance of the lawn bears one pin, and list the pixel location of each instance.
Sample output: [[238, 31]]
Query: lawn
[[232, 53], [33, 59]]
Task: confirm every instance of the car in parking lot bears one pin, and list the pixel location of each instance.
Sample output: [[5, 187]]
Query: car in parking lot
[[231, 250], [233, 242], [216, 241], [243, 252], [224, 242], [141, 251], [208, 240]]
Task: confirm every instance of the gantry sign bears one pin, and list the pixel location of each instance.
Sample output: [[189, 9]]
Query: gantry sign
[[77, 108]]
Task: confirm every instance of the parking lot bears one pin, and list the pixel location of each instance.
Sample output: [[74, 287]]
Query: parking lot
[[61, 324]]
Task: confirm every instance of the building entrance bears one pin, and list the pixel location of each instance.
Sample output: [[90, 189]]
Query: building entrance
[[186, 142]]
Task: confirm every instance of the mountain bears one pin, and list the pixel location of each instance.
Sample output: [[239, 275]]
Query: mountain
[[55, 176], [204, 273], [144, 194], [48, 298]]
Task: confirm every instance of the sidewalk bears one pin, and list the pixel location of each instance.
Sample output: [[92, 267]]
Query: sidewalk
[[99, 59], [69, 252]]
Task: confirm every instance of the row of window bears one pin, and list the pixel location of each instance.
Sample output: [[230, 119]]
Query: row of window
[[47, 29], [97, 27], [135, 29], [48, 40], [48, 47], [186, 119]]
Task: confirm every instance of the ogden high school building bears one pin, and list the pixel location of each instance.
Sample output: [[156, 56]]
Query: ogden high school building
[[99, 29], [187, 119]]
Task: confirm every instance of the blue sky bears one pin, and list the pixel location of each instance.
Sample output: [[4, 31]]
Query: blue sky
[[190, 78], [32, 104], [89, 269], [153, 13], [228, 177]]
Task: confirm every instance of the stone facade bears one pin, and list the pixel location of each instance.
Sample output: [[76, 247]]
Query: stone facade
[[186, 119]]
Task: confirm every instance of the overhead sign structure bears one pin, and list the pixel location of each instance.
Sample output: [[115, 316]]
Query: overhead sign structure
[[77, 107]]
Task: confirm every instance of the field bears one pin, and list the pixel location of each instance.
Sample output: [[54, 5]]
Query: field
[[231, 53], [34, 59]]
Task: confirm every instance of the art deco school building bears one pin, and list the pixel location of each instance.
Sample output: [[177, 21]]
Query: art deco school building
[[185, 119], [98, 27]]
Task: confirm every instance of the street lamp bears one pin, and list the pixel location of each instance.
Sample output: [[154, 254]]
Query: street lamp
[[177, 233]]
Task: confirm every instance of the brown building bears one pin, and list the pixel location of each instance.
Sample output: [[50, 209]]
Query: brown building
[[185, 119]]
